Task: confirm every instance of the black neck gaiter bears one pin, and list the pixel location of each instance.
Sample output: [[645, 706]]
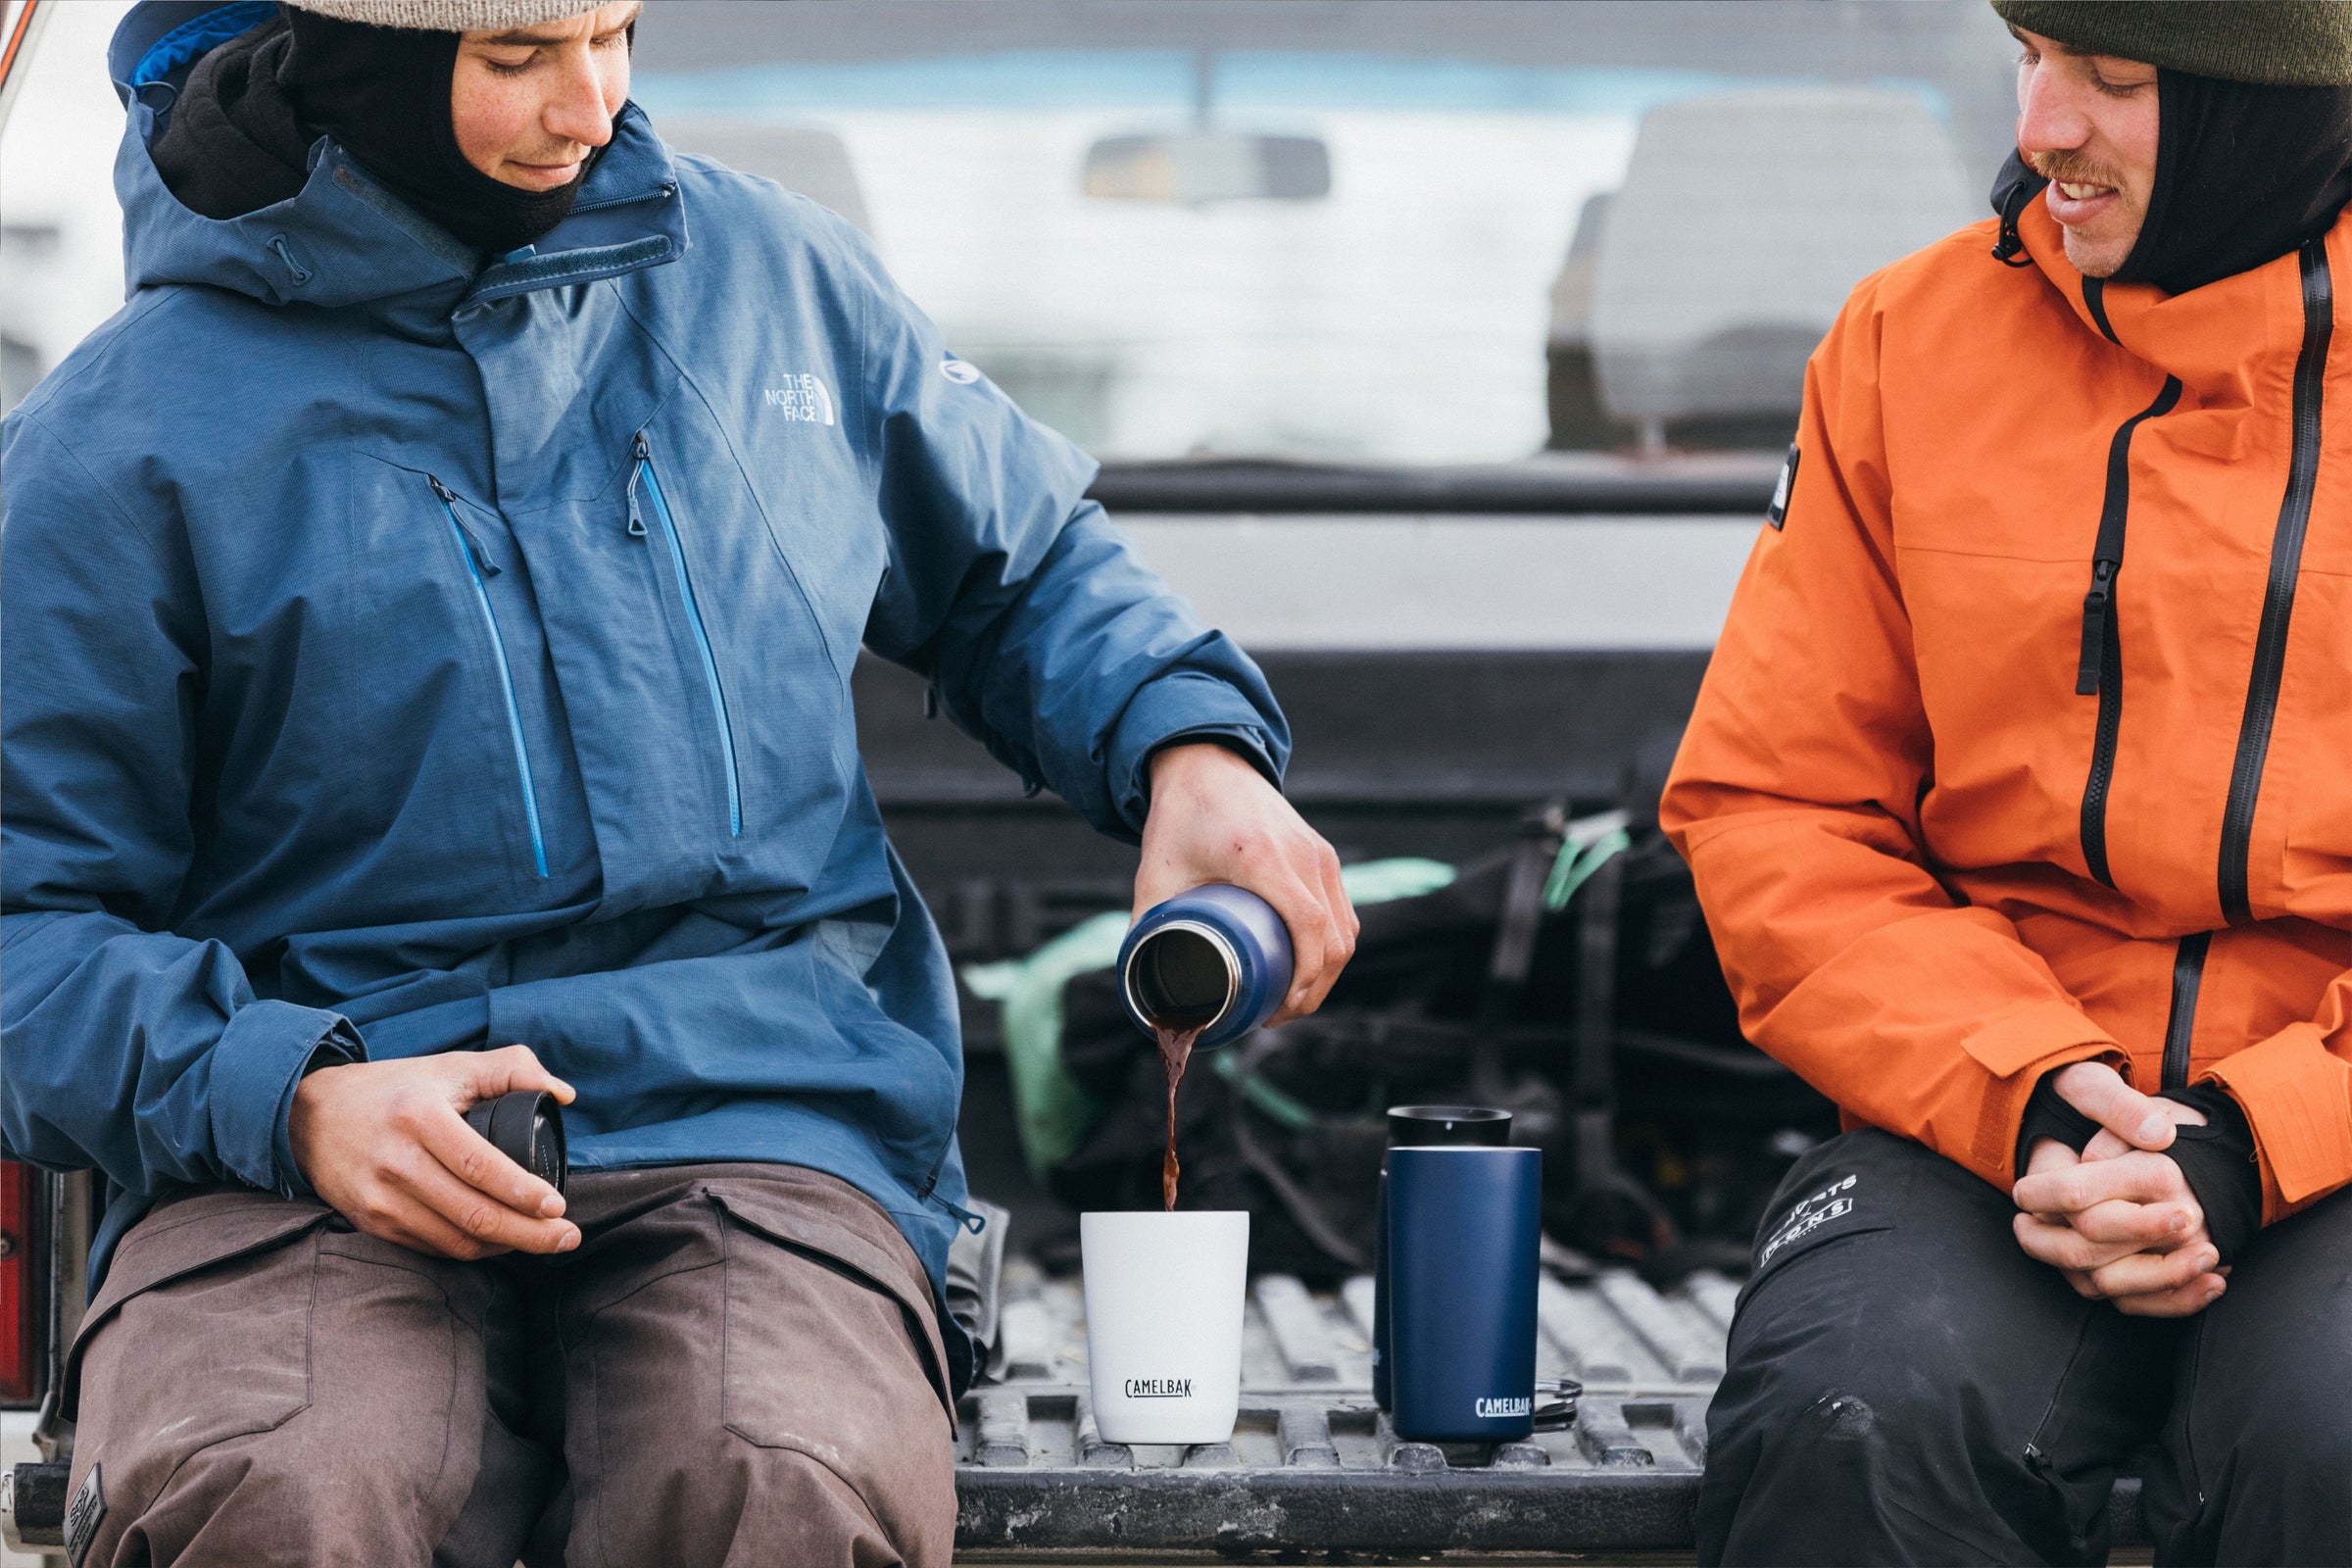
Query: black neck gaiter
[[2244, 175], [383, 93]]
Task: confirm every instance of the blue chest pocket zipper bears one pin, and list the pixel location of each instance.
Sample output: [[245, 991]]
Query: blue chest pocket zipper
[[641, 474], [478, 567]]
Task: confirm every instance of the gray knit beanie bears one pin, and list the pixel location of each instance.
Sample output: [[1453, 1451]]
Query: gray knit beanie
[[448, 16], [2276, 43]]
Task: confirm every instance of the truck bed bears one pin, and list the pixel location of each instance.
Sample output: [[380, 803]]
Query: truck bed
[[1314, 1468]]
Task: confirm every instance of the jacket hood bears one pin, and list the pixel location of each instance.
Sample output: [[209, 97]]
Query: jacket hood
[[344, 239]]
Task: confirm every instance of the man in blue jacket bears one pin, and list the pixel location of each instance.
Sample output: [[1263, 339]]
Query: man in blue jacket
[[431, 604]]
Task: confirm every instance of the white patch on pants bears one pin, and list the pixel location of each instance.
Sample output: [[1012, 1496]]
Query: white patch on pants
[[1809, 1215]]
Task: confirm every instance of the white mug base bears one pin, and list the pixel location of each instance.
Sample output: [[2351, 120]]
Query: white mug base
[[1163, 1323]]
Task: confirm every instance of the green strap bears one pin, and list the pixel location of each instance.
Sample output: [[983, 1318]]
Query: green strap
[[1278, 1105], [1576, 862]]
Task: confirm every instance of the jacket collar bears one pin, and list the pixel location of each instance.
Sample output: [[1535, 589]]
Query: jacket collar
[[345, 240], [2226, 341]]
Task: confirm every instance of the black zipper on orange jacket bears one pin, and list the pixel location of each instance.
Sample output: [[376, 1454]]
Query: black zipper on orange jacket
[[2278, 599], [2099, 667], [2181, 1027]]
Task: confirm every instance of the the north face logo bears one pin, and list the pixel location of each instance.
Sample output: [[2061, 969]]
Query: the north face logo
[[801, 397]]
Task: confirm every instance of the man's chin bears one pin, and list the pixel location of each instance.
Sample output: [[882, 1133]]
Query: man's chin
[[2096, 257]]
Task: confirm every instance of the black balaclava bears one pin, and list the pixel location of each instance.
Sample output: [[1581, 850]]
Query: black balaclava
[[2244, 173], [383, 93], [242, 127]]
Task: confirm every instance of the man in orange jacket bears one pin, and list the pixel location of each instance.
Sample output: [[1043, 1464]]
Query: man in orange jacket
[[2020, 802]]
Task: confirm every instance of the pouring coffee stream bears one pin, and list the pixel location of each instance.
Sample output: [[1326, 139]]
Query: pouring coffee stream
[[1175, 1052], [1186, 985]]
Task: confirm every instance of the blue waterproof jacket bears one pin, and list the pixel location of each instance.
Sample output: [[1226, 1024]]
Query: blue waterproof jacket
[[431, 654]]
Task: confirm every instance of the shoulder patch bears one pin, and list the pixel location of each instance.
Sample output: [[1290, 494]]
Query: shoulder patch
[[1777, 513], [84, 1514]]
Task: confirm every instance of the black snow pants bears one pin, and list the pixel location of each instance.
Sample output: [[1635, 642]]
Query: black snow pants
[[1906, 1385]]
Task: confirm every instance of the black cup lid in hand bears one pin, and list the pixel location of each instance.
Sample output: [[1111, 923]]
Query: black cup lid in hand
[[1427, 1126], [527, 1127]]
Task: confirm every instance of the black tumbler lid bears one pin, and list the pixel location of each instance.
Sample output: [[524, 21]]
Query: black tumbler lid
[[1421, 1126], [527, 1127]]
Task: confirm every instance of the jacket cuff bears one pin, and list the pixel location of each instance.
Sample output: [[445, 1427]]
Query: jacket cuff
[[2297, 1096], [2018, 1049], [1184, 704], [260, 1057], [1241, 743]]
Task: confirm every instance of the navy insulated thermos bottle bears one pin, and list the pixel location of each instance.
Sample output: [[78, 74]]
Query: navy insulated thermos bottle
[[1462, 1237], [1215, 958], [1411, 1126]]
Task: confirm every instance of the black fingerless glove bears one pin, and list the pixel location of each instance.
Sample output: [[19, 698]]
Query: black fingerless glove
[[2218, 1161], [2048, 1115]]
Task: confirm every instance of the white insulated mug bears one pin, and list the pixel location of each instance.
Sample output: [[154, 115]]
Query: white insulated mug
[[1164, 1322]]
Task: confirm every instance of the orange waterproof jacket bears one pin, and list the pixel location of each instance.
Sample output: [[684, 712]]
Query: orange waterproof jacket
[[2029, 738]]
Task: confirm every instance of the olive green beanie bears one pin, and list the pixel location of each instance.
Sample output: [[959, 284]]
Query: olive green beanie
[[2277, 43]]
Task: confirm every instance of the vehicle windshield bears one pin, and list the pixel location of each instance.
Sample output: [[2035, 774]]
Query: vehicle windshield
[[1377, 232]]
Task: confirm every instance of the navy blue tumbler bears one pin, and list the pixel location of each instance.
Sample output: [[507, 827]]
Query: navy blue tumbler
[[1415, 1127], [1463, 1231], [1216, 958]]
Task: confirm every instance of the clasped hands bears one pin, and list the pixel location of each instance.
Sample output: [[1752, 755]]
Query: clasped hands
[[2119, 1219]]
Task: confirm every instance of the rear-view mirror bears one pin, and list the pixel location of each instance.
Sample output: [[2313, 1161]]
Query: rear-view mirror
[[1194, 168]]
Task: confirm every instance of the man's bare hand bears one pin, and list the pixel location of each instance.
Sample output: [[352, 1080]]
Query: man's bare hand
[[2139, 1120], [1214, 819], [386, 1144], [2123, 1227]]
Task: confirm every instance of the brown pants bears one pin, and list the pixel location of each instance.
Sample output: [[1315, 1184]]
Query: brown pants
[[739, 1365]]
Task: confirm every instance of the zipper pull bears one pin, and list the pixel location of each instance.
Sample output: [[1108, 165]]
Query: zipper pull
[[2097, 605], [474, 546], [481, 558], [643, 451]]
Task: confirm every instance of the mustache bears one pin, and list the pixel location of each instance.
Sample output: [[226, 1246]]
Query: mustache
[[2071, 167]]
